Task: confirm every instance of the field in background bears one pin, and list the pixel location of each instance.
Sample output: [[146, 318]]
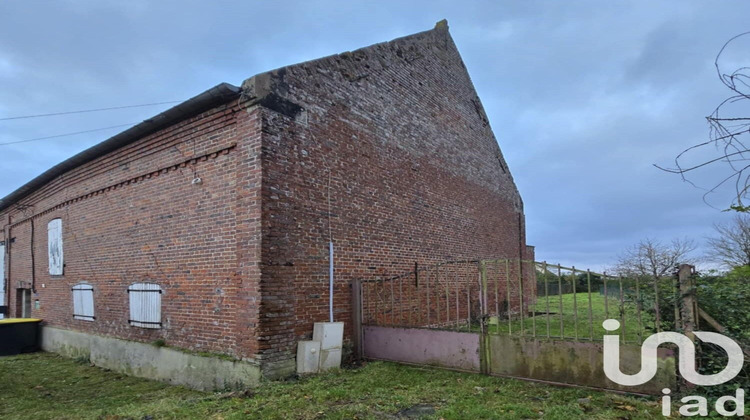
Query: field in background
[[45, 386], [584, 326]]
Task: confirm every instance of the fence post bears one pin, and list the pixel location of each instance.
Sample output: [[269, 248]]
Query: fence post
[[484, 347], [688, 303], [357, 337]]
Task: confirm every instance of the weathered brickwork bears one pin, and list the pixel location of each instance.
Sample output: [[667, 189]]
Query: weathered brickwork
[[386, 151], [395, 138], [136, 216]]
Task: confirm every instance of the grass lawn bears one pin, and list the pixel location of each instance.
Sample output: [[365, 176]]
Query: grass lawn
[[578, 304], [46, 386]]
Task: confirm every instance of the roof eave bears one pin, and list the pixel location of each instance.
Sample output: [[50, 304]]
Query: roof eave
[[212, 97]]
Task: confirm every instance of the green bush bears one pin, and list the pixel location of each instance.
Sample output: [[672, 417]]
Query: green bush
[[726, 298]]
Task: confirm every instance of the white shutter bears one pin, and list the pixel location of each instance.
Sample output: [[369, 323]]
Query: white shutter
[[2, 277], [145, 305], [83, 302], [55, 247]]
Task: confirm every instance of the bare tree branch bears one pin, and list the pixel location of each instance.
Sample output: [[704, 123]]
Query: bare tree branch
[[654, 259], [727, 135]]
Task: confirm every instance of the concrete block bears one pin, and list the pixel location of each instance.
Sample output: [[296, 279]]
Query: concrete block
[[330, 358], [308, 356], [148, 361], [329, 334], [279, 369]]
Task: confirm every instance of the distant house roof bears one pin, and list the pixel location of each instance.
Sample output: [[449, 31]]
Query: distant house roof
[[216, 95]]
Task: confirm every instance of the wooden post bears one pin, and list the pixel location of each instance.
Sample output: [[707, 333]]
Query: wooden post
[[484, 339], [677, 292], [357, 336], [688, 303], [688, 309]]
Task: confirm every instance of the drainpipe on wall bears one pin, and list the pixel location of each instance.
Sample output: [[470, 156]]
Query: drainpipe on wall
[[330, 281], [324, 350], [521, 251], [6, 278], [5, 258], [33, 262]]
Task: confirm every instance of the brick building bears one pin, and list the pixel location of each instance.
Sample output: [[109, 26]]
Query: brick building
[[206, 228]]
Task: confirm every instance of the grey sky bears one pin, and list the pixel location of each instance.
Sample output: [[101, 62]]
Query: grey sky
[[583, 96]]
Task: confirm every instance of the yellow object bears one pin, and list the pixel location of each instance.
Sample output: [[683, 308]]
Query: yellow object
[[18, 320]]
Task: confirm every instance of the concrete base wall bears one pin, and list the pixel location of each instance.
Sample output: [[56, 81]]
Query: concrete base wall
[[575, 363], [152, 362], [450, 349], [279, 369]]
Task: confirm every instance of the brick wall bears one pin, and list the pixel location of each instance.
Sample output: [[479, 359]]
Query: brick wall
[[416, 175], [392, 136], [134, 215]]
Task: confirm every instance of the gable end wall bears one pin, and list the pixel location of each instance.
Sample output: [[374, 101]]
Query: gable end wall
[[416, 175]]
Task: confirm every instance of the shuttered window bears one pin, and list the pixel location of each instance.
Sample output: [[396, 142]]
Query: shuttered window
[[55, 247], [83, 302], [145, 305]]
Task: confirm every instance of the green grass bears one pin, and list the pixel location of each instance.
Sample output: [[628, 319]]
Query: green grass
[[582, 326], [45, 386]]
